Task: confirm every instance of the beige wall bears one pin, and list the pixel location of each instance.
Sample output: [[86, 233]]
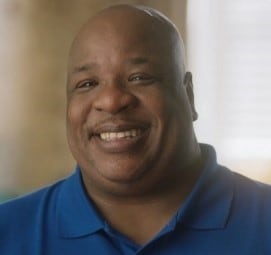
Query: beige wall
[[35, 38]]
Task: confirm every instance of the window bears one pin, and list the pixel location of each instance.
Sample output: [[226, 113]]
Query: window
[[229, 53]]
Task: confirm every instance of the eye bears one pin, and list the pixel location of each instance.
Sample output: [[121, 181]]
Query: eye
[[141, 78], [87, 84]]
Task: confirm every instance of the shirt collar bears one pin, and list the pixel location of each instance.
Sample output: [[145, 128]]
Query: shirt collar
[[76, 214], [208, 205]]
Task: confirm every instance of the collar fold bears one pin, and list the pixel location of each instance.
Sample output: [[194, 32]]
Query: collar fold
[[208, 205], [76, 215]]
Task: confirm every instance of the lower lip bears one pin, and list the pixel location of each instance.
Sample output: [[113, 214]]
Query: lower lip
[[121, 145]]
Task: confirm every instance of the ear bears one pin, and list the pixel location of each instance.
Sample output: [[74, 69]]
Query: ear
[[189, 90]]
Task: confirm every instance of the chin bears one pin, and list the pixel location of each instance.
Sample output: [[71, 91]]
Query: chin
[[121, 174]]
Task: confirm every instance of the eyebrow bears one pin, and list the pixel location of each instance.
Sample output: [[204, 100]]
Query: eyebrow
[[138, 60], [88, 66], [83, 68]]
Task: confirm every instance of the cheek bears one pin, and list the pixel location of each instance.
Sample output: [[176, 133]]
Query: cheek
[[160, 105], [77, 111], [153, 100], [172, 114]]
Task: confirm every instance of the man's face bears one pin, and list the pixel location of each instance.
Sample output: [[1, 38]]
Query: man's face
[[128, 114]]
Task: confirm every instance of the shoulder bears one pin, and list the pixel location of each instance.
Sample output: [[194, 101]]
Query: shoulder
[[23, 212], [28, 200], [249, 187], [251, 197]]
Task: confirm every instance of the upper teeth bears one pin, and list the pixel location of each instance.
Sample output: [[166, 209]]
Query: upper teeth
[[115, 135]]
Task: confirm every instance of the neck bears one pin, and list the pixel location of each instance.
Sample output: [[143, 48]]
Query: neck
[[141, 216]]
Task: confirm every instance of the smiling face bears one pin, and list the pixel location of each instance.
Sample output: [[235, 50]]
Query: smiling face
[[129, 117]]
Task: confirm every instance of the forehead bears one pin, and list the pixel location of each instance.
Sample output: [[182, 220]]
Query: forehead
[[122, 21], [120, 31]]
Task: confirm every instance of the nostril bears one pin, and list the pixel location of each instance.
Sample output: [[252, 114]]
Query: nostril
[[114, 100]]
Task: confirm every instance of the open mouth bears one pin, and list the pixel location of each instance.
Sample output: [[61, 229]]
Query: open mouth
[[119, 137], [114, 136]]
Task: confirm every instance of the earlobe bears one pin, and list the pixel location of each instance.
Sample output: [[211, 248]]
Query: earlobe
[[188, 83]]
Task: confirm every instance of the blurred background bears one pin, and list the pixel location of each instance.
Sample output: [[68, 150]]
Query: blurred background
[[228, 51]]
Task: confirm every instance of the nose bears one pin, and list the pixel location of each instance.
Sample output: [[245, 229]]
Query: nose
[[113, 99]]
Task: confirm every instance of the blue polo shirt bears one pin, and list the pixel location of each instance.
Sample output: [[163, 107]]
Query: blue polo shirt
[[225, 214]]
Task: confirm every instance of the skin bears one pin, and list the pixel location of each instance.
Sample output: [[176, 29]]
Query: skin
[[126, 72]]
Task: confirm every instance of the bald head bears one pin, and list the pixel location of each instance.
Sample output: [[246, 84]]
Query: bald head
[[130, 107], [149, 28]]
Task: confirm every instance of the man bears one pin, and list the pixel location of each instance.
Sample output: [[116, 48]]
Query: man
[[143, 184]]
